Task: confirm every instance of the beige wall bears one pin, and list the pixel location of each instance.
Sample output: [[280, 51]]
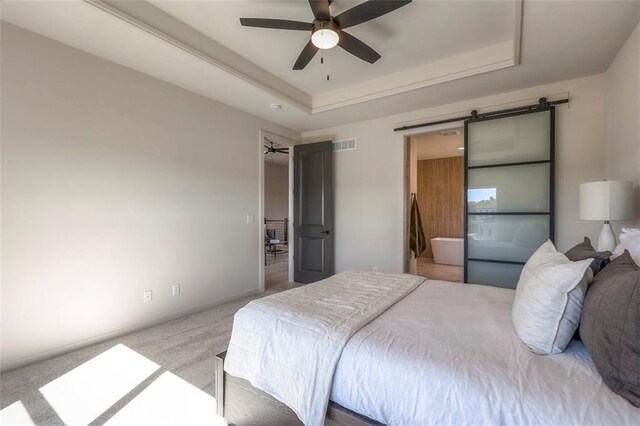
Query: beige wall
[[276, 190], [623, 118], [114, 183], [369, 196]]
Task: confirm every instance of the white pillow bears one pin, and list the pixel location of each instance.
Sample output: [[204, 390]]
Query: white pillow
[[629, 240], [548, 303]]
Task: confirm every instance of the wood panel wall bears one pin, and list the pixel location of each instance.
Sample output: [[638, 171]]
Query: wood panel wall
[[441, 198]]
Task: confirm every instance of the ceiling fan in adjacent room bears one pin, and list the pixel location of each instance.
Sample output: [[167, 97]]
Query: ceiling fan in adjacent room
[[327, 31], [275, 150]]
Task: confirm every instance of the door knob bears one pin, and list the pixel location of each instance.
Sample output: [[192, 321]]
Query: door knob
[[326, 232]]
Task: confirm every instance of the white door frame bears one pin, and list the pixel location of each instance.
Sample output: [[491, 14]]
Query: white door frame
[[409, 262], [261, 234]]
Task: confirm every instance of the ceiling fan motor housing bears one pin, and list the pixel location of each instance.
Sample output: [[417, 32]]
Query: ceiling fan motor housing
[[329, 24]]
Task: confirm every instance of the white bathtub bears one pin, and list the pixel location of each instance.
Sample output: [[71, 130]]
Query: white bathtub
[[448, 251]]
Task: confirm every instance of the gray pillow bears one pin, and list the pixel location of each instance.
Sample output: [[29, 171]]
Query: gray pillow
[[610, 326], [585, 250]]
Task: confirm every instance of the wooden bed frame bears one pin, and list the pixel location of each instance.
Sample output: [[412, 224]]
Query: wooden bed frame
[[242, 404]]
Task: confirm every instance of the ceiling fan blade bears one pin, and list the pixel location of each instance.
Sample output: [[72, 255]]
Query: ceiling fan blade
[[306, 56], [278, 24], [367, 11], [357, 48], [282, 150], [320, 9]]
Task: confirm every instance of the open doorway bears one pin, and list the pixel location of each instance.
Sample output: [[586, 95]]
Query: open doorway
[[276, 218], [436, 177]]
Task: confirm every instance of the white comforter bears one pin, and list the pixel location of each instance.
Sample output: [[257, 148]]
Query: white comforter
[[447, 354], [288, 344]]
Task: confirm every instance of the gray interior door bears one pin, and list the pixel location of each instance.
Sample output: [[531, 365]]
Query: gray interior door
[[312, 212]]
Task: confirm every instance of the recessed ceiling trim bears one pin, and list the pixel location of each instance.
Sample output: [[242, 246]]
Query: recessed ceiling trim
[[491, 58], [482, 63], [297, 100], [517, 31], [85, 27], [483, 60]]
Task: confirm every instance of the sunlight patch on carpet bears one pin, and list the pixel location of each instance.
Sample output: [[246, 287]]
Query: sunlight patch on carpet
[[169, 400], [82, 394], [15, 414]]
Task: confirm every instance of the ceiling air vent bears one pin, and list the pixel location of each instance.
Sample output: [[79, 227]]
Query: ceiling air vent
[[344, 145]]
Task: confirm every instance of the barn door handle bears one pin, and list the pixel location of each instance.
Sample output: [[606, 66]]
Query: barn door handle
[[326, 232]]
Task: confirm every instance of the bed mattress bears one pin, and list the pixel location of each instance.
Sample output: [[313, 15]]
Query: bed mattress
[[288, 344], [448, 354]]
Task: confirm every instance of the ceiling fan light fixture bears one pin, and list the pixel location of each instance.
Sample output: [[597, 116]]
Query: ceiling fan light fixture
[[327, 30], [325, 36]]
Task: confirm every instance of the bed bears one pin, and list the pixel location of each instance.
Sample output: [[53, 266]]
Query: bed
[[442, 353]]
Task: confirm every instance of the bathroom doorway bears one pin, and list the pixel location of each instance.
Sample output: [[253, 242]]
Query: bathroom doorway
[[436, 177]]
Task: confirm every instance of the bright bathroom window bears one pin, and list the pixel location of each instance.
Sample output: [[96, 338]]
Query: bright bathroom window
[[482, 199]]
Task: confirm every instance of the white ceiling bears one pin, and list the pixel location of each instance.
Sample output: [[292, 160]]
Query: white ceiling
[[419, 33], [439, 145], [450, 45]]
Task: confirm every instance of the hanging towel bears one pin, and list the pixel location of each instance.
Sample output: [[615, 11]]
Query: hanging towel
[[417, 240]]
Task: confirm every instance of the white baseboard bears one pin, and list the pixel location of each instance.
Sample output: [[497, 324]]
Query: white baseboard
[[60, 350]]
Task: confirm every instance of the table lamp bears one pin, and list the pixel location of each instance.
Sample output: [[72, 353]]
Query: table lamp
[[606, 200]]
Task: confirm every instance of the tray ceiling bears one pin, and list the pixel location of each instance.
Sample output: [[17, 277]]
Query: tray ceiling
[[417, 34], [433, 52]]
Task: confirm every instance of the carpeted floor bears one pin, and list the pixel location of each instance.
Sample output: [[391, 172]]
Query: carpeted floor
[[185, 347]]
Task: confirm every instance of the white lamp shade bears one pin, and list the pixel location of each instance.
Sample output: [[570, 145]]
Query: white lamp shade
[[606, 200]]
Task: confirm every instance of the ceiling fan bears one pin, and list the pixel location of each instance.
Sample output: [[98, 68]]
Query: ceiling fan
[[272, 149], [328, 31]]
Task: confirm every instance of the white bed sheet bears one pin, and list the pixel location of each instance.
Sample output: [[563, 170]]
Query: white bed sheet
[[288, 344], [448, 354]]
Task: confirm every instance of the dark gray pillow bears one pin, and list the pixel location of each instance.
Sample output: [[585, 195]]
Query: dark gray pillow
[[610, 326], [585, 250]]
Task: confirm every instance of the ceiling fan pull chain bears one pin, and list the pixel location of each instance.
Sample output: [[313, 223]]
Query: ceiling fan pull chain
[[322, 61]]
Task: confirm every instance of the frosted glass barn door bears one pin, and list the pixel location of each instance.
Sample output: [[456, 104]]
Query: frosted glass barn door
[[509, 193]]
